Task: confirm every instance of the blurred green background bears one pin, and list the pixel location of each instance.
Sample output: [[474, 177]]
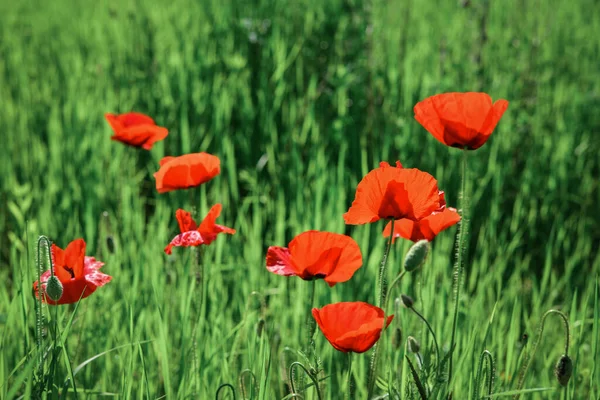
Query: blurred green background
[[299, 100]]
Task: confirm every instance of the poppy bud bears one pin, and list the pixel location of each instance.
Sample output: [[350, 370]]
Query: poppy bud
[[416, 255], [563, 370], [413, 345], [54, 289], [397, 338], [407, 301], [110, 243], [259, 327]]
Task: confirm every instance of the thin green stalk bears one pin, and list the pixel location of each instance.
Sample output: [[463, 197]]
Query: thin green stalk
[[349, 376], [382, 291], [312, 378], [459, 266], [537, 342], [435, 342], [225, 386], [310, 323], [485, 355], [382, 303]]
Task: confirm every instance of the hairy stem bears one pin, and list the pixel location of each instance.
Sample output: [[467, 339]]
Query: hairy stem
[[311, 377], [382, 303], [435, 342], [485, 356], [529, 358], [460, 256]]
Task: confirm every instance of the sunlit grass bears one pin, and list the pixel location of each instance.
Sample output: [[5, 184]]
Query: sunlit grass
[[299, 101]]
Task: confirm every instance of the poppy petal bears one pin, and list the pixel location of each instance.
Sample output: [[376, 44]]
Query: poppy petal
[[185, 239], [186, 171], [279, 261], [331, 256], [185, 221], [463, 120], [393, 193], [351, 326], [74, 257]]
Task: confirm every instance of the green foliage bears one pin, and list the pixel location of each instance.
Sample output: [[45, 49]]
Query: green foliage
[[299, 100]]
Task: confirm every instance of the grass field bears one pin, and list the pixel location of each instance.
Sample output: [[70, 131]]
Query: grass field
[[299, 100]]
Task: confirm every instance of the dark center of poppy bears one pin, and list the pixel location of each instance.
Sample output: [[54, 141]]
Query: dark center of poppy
[[70, 271]]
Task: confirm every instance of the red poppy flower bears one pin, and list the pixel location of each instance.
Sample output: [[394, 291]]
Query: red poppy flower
[[426, 228], [186, 171], [136, 129], [463, 120], [351, 326], [393, 193], [314, 254], [193, 235], [79, 274]]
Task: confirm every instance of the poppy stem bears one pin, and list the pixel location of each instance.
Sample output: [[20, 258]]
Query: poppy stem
[[311, 376], [349, 379], [460, 256], [485, 355], [382, 291], [435, 342], [382, 303], [43, 241], [529, 358]]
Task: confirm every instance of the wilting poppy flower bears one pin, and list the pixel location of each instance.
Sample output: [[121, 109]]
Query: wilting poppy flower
[[136, 129], [393, 193], [463, 120], [351, 326], [314, 254], [79, 274], [186, 171], [426, 228], [193, 235]]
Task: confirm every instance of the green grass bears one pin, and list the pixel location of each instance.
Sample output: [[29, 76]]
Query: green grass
[[322, 90]]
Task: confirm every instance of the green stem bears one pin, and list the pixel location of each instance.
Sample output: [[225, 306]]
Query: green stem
[[435, 342], [459, 266], [485, 355], [382, 291], [225, 386], [312, 378], [382, 303], [349, 378], [537, 342], [310, 323]]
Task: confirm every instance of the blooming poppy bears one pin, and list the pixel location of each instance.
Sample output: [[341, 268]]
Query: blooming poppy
[[351, 326], [186, 171], [463, 120], [393, 193], [79, 274], [136, 129], [314, 254], [194, 235], [426, 228]]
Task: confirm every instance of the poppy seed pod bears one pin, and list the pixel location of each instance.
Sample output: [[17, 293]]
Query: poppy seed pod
[[407, 301], [416, 255], [413, 345], [397, 338], [563, 370], [54, 289], [259, 327]]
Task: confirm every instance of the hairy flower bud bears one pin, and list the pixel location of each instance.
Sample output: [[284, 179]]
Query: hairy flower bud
[[54, 289], [407, 301], [413, 345], [397, 338], [416, 255], [563, 370]]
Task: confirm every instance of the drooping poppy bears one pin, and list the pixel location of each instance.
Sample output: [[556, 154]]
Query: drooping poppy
[[426, 228], [186, 171], [463, 120], [194, 235], [351, 326], [316, 255], [393, 193], [136, 129], [79, 274]]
